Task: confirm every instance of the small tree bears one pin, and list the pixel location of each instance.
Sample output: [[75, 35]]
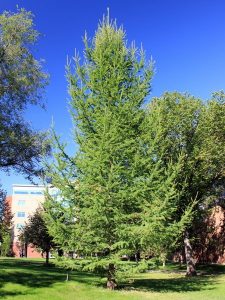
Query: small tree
[[36, 233], [5, 225]]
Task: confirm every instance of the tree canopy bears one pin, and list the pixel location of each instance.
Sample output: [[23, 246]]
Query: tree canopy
[[22, 82], [36, 233], [196, 130], [117, 197]]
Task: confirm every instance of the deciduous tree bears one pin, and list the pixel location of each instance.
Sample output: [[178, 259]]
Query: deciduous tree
[[36, 233], [116, 197], [196, 130], [22, 82], [5, 225]]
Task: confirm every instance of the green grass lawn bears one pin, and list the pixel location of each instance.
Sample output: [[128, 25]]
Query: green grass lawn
[[30, 279]]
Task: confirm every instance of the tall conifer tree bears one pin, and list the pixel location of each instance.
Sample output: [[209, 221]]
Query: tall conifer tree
[[113, 192]]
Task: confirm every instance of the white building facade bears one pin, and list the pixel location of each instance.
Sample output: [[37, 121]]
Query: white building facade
[[25, 200]]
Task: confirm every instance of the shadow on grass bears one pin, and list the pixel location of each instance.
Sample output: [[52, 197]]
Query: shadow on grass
[[34, 274], [8, 293], [162, 285], [204, 281], [201, 268], [30, 274], [179, 285], [211, 269]]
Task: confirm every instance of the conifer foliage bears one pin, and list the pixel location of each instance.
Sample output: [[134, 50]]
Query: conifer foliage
[[110, 189]]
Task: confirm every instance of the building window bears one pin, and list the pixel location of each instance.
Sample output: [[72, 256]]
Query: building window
[[19, 226], [36, 193], [21, 202], [21, 214], [21, 192], [28, 192]]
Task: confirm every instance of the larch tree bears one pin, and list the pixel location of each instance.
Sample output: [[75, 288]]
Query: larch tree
[[111, 188]]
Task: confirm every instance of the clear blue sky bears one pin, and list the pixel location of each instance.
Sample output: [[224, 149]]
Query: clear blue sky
[[185, 38]]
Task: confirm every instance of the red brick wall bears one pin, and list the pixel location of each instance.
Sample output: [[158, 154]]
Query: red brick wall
[[210, 247], [31, 251], [217, 236], [8, 200]]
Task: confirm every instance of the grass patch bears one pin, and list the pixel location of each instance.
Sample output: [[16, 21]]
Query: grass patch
[[32, 280]]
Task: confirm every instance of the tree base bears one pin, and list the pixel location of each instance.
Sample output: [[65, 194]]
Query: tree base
[[191, 274], [111, 284]]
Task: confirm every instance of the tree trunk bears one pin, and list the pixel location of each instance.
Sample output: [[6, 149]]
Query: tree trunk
[[137, 256], [25, 249], [111, 282], [67, 276], [47, 257], [60, 252], [181, 258], [163, 259], [191, 271]]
